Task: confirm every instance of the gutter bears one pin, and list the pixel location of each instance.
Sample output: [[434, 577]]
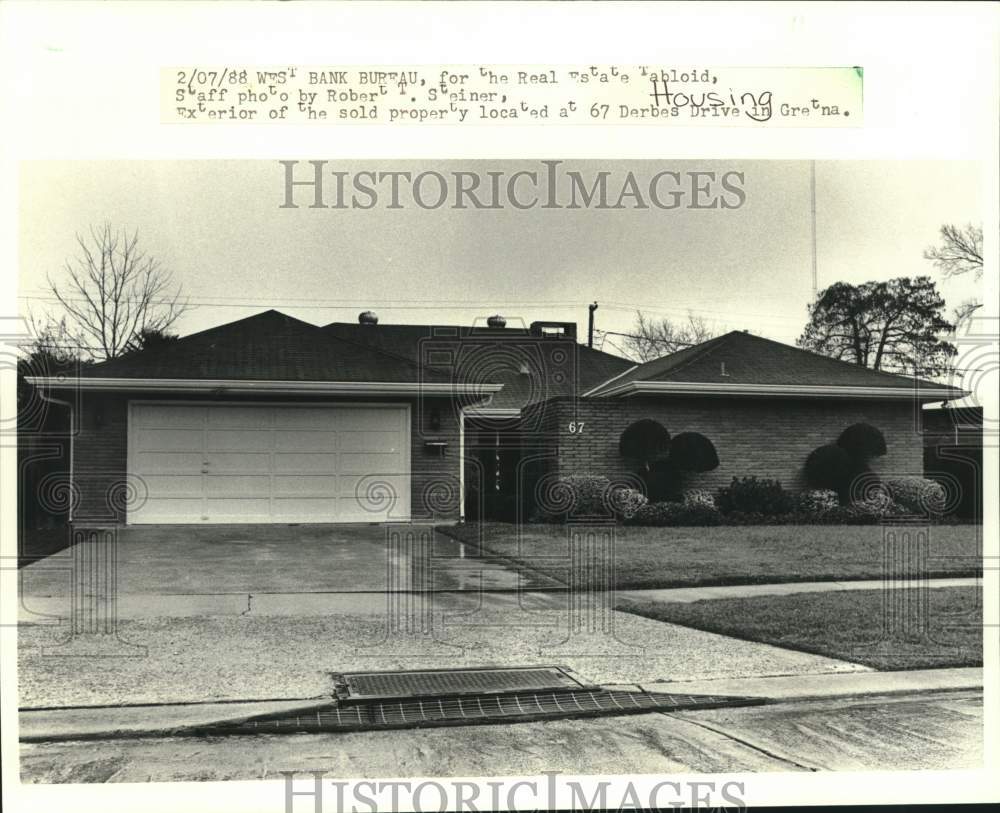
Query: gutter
[[780, 390], [250, 386]]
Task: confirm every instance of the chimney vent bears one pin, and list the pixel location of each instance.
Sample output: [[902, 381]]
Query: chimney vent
[[496, 320], [368, 318]]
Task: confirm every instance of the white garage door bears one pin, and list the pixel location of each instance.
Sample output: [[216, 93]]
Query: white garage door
[[228, 463]]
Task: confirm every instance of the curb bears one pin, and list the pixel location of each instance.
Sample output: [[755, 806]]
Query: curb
[[133, 722], [84, 723], [787, 688]]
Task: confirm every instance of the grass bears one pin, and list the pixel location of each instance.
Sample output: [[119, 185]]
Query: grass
[[851, 625], [690, 557]]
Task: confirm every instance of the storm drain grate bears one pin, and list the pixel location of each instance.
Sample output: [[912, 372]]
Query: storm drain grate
[[479, 709], [356, 686]]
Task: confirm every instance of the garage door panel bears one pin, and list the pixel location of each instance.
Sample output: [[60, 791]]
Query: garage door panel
[[246, 463], [370, 441], [238, 485], [238, 462], [306, 440], [237, 440], [173, 486], [168, 462], [319, 485], [161, 509], [170, 440], [326, 419], [169, 417], [246, 507], [304, 463], [371, 462], [377, 419], [230, 417], [294, 509]]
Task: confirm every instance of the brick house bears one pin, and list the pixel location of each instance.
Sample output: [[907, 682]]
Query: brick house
[[271, 419]]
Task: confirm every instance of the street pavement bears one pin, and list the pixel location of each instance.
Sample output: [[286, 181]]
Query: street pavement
[[924, 731]]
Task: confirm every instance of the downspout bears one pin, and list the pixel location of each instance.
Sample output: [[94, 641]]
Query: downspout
[[72, 437], [461, 464]]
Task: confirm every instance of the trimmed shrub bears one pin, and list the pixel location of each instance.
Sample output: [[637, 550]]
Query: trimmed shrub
[[657, 513], [849, 515], [829, 467], [697, 496], [862, 441], [755, 496], [917, 494], [646, 441], [673, 514], [626, 501], [692, 451], [817, 501], [700, 515], [588, 494]]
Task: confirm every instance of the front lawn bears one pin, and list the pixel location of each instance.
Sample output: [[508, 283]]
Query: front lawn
[[687, 557], [851, 625]]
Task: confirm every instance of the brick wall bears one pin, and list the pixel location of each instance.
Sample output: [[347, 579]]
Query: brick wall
[[762, 437], [101, 454]]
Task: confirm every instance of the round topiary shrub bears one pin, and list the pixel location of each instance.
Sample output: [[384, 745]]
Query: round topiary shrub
[[692, 451], [862, 441], [646, 441], [830, 467], [662, 482]]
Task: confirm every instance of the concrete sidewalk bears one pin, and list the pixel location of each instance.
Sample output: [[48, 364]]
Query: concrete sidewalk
[[689, 594], [50, 725]]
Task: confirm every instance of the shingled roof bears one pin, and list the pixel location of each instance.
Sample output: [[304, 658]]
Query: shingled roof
[[739, 361], [269, 346], [496, 353]]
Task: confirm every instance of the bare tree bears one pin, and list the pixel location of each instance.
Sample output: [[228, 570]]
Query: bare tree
[[959, 252], [652, 338], [115, 292]]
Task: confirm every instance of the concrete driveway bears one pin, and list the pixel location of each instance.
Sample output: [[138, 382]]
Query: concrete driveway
[[169, 560]]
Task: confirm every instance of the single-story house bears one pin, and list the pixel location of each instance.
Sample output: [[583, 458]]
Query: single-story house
[[270, 419]]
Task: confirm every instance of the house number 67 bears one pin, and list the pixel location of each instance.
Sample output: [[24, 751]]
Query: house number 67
[[576, 427]]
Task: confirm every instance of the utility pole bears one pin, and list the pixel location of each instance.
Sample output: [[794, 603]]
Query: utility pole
[[812, 191], [590, 324]]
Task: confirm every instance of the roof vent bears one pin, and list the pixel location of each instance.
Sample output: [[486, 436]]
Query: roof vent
[[553, 330], [496, 320], [368, 318]]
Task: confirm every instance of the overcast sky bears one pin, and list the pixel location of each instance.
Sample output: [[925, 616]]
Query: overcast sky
[[218, 228]]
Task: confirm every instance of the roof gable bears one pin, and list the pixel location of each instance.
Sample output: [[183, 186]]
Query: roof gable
[[739, 359]]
